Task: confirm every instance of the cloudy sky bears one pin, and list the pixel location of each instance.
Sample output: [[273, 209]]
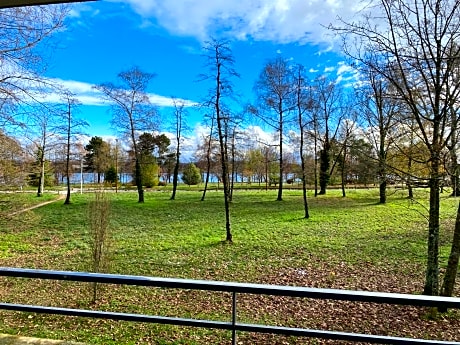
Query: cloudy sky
[[166, 37]]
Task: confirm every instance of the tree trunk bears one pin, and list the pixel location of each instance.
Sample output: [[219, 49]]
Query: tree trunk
[[343, 172], [454, 171], [280, 187], [382, 173], [324, 168], [304, 176], [454, 167], [67, 160], [432, 271], [452, 265], [232, 181], [208, 170], [138, 179], [223, 158], [41, 179], [383, 192], [316, 160], [175, 174]]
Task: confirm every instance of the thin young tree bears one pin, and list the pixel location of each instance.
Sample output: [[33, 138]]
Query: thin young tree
[[220, 62], [180, 125], [206, 150], [416, 38], [132, 111], [71, 128], [302, 104]]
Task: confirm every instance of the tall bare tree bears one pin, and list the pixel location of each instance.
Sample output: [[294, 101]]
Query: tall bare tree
[[220, 62], [132, 111], [274, 90], [71, 128], [380, 111], [328, 99], [416, 38], [303, 103]]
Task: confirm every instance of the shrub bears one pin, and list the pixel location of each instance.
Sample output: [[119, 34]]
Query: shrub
[[191, 175]]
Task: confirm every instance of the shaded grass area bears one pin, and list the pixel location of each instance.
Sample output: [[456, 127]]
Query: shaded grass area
[[350, 243]]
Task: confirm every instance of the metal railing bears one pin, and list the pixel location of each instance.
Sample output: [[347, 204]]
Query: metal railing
[[234, 289]]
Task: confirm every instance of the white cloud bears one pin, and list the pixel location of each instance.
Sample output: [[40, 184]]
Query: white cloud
[[344, 68], [76, 11], [87, 95], [329, 69], [275, 20]]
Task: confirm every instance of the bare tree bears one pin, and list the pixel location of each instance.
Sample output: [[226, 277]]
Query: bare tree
[[328, 98], [274, 90], [22, 29], [345, 134], [43, 132], [220, 63], [132, 111], [180, 125], [380, 111], [205, 152], [70, 129], [302, 104], [416, 38]]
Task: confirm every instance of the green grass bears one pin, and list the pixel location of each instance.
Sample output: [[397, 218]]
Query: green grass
[[348, 242]]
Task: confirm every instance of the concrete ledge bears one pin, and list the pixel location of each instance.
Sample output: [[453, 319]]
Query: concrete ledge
[[17, 340]]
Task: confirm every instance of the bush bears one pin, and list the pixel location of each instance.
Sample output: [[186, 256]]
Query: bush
[[191, 175], [111, 175], [150, 175]]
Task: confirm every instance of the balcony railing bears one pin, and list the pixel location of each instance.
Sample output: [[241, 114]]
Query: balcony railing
[[235, 289]]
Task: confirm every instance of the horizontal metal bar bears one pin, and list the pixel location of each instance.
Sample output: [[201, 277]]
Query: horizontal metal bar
[[259, 289], [117, 316], [288, 331]]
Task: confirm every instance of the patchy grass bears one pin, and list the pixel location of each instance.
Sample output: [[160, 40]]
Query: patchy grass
[[349, 243]]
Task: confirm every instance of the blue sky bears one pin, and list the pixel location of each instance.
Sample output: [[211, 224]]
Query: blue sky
[[165, 37]]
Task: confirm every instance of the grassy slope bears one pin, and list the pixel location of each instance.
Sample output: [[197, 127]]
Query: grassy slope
[[349, 243]]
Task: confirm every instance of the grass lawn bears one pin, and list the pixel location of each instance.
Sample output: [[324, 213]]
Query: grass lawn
[[348, 243]]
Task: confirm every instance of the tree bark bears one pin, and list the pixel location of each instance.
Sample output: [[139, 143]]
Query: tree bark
[[324, 168], [41, 179], [138, 180], [344, 194], [223, 156], [452, 265], [67, 160], [208, 161], [280, 182], [432, 271], [175, 174]]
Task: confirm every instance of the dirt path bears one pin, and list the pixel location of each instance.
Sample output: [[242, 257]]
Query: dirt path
[[60, 197]]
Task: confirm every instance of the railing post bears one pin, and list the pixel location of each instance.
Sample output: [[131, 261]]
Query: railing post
[[233, 318]]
